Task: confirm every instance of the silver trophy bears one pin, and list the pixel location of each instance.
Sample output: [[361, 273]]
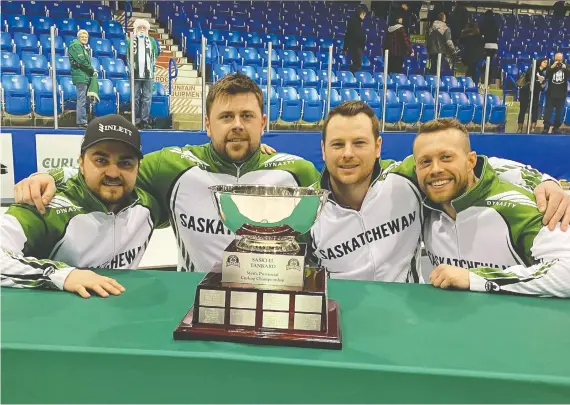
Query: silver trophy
[[268, 219]]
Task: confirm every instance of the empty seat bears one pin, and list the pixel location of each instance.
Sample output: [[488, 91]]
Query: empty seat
[[17, 95], [308, 78], [401, 81], [81, 10], [113, 69], [58, 10], [262, 76], [347, 79], [289, 58], [249, 71], [42, 87], [108, 99], [370, 97], [35, 65], [66, 26], [101, 13], [291, 105], [41, 25], [68, 92], [62, 66], [324, 77], [6, 43], [308, 60], [465, 109], [274, 110], [250, 56], [418, 82], [229, 54], [45, 44], [425, 98], [26, 43], [447, 108], [313, 106], [17, 23], [365, 80], [101, 48], [394, 108], [92, 27], [120, 46], [412, 109], [288, 77], [349, 94], [234, 38], [334, 97], [451, 84], [468, 84], [221, 71], [160, 103], [10, 63], [498, 114], [123, 89], [113, 29]]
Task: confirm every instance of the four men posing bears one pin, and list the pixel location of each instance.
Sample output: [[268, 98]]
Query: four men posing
[[371, 227]]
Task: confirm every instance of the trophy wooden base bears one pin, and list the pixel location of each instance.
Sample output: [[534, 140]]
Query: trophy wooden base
[[244, 313]]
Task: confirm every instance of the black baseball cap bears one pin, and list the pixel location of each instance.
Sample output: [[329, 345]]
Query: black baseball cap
[[112, 127]]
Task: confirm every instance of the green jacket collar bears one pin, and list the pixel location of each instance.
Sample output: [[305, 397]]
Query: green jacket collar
[[487, 180], [233, 168]]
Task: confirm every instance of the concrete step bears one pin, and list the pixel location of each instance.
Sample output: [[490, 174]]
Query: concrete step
[[195, 81]]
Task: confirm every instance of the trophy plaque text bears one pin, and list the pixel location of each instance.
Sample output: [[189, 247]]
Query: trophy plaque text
[[263, 292]]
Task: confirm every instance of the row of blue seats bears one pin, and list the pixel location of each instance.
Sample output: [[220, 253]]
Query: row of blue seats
[[28, 43], [292, 104], [70, 9], [23, 97], [347, 79], [32, 65], [64, 26]]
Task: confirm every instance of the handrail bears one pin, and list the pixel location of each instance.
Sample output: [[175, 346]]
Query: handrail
[[128, 9], [171, 63]]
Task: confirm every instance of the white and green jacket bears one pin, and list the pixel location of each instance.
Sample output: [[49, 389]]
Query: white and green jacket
[[498, 235], [381, 241], [76, 231], [179, 178]]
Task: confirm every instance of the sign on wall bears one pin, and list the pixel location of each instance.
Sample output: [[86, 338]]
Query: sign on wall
[[6, 167], [56, 151]]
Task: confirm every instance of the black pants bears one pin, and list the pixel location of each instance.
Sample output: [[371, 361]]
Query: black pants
[[472, 70], [395, 64], [525, 101], [356, 57], [433, 64], [556, 104]]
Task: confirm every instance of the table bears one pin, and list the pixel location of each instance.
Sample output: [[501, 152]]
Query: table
[[402, 344]]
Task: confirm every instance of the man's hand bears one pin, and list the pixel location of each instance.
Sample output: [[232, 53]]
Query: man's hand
[[266, 149], [78, 281], [446, 276], [35, 190], [554, 202]]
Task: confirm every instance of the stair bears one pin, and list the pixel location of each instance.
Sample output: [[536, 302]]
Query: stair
[[186, 97]]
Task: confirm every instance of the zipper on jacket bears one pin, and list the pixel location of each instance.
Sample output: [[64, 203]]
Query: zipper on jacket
[[368, 245]]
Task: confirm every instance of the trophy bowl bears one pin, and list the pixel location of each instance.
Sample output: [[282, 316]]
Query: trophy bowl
[[268, 218]]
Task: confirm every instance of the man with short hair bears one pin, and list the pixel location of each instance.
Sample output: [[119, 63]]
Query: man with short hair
[[482, 233], [371, 226], [557, 77], [439, 41], [180, 177], [98, 220], [83, 75]]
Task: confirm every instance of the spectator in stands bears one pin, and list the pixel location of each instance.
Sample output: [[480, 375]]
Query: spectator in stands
[[559, 9], [355, 39], [82, 73], [458, 22], [524, 94], [439, 41], [471, 43], [145, 50], [557, 76], [398, 45], [490, 32], [400, 9]]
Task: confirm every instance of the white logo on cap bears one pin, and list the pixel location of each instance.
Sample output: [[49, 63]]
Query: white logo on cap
[[116, 128]]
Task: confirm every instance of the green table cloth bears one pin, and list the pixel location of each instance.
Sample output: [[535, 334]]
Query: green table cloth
[[401, 343]]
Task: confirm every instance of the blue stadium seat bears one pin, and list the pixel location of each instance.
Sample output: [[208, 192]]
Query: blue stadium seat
[[378, 63], [221, 71], [113, 29], [68, 39], [308, 60], [81, 10], [249, 71], [465, 109], [108, 99], [452, 85], [10, 63], [17, 95], [273, 38], [45, 44], [35, 65], [566, 115], [274, 103], [343, 62], [253, 40], [347, 79], [62, 66], [113, 69], [365, 80], [68, 92], [291, 42], [289, 58], [349, 94], [41, 25], [288, 77], [58, 10], [35, 8], [446, 107], [401, 81], [394, 108], [291, 105], [17, 23], [214, 37], [228, 54], [26, 43], [418, 82], [313, 106], [432, 82], [262, 76], [366, 64], [468, 84], [308, 44], [323, 76], [478, 101], [42, 87], [412, 109], [234, 38], [12, 7], [379, 77], [120, 46], [101, 13], [275, 59], [160, 105], [250, 56], [428, 105], [308, 78], [370, 97], [6, 43], [237, 23], [335, 97], [66, 26], [498, 115], [218, 22], [96, 65], [92, 27]]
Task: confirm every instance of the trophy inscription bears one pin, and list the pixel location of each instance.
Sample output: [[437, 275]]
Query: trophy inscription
[[265, 293]]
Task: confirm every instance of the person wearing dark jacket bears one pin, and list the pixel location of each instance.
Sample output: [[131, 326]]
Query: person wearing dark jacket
[[439, 41], [557, 76], [398, 45], [471, 43], [524, 94], [490, 33], [458, 21], [355, 39], [81, 74]]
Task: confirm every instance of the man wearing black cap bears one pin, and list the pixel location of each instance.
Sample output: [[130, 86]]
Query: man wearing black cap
[[98, 220]]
